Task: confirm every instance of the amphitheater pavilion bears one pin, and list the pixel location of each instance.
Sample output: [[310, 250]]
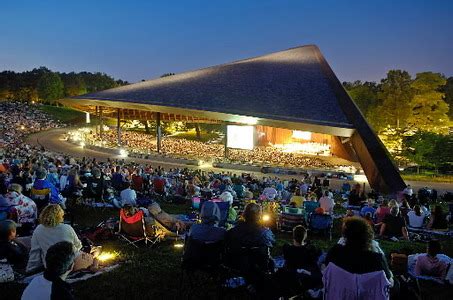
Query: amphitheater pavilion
[[290, 90]]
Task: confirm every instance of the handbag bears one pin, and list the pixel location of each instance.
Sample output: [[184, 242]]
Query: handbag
[[6, 272]]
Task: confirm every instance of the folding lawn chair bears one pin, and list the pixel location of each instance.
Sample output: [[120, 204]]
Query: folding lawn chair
[[321, 223], [133, 229], [41, 197], [309, 207], [423, 281], [201, 257], [290, 217]]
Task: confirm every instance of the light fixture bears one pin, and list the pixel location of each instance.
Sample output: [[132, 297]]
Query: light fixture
[[123, 153]]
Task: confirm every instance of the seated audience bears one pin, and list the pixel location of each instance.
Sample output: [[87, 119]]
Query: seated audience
[[15, 252], [429, 264], [416, 217], [382, 211], [301, 255], [51, 284], [128, 196], [50, 231], [24, 207], [96, 186], [368, 209], [356, 256], [42, 184], [327, 203], [207, 230], [167, 220], [248, 245], [394, 225], [297, 198], [438, 219]]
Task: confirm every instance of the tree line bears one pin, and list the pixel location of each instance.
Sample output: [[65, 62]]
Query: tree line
[[412, 116], [42, 84]]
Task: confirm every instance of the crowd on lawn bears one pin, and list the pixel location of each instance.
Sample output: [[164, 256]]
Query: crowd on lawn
[[139, 142], [36, 187]]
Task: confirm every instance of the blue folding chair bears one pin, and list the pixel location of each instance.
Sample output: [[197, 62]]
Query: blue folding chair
[[321, 223], [309, 208], [224, 208]]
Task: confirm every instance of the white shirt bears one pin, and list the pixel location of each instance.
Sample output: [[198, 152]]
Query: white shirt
[[45, 237], [128, 196], [327, 204], [38, 289], [414, 220]]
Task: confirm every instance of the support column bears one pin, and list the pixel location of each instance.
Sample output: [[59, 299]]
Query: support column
[[118, 126], [158, 132], [225, 150], [97, 123], [101, 123]]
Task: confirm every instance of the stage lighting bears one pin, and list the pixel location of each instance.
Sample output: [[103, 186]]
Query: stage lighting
[[123, 153]]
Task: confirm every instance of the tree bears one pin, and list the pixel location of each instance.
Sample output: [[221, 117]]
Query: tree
[[429, 110], [448, 97], [50, 87], [429, 149], [74, 84], [364, 94], [395, 95]]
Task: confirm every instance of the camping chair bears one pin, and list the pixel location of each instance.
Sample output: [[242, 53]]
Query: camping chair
[[224, 208], [41, 197], [309, 207], [340, 284], [422, 281], [321, 223], [251, 263], [133, 229], [290, 217], [204, 257]]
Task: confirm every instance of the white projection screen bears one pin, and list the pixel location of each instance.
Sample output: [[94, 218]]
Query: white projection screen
[[240, 137]]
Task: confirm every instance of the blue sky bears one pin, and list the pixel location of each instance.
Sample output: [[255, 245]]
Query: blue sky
[[136, 40]]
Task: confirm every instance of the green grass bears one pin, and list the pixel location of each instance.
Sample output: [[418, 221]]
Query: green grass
[[64, 114], [154, 273], [430, 178]]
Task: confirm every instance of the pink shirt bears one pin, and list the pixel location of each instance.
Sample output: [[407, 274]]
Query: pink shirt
[[381, 212], [430, 266]]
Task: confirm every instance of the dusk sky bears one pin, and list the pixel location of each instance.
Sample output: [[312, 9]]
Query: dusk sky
[[134, 40]]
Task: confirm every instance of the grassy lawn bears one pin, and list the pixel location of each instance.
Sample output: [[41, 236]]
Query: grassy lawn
[[155, 273], [429, 178], [64, 114]]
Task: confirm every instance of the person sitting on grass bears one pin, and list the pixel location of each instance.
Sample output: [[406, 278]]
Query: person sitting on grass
[[327, 203], [24, 207], [416, 217], [51, 284], [394, 225], [438, 219], [302, 255], [368, 209], [13, 250], [51, 231], [429, 264], [356, 256], [382, 211], [207, 230], [128, 195]]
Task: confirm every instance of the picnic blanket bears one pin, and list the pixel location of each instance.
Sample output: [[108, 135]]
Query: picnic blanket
[[76, 276]]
